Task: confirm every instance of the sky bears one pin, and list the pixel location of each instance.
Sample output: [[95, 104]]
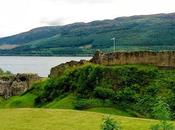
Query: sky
[[22, 15]]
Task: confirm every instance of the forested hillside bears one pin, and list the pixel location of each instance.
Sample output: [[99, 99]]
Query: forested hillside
[[149, 32]]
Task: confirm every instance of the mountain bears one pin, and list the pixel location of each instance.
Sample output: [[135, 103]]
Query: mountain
[[145, 32], [32, 35]]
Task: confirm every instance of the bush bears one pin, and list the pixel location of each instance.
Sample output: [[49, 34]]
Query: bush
[[162, 126], [103, 93], [162, 112], [82, 104], [110, 124]]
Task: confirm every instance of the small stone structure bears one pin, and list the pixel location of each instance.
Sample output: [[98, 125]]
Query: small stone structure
[[17, 84]]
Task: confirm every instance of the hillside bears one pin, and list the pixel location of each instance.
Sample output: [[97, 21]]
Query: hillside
[[32, 35], [54, 119], [123, 91], [149, 32], [127, 90]]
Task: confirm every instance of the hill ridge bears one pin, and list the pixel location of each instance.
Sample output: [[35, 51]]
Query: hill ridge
[[139, 32]]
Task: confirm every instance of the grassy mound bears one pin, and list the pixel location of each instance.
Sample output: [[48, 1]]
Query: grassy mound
[[57, 119]]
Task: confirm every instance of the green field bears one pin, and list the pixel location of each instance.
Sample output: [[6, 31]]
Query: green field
[[60, 119]]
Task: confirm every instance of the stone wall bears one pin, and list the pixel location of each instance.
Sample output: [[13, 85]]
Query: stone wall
[[160, 59], [59, 69], [17, 84]]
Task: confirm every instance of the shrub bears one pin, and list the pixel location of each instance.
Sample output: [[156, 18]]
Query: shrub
[[162, 126], [125, 96], [110, 124], [103, 93], [162, 112], [82, 104]]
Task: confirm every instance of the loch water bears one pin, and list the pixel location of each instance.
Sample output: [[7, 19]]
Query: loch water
[[30, 64]]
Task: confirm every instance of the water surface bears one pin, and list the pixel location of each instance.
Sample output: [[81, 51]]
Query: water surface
[[39, 65]]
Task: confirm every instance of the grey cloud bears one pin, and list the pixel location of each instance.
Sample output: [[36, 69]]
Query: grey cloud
[[54, 22], [84, 1]]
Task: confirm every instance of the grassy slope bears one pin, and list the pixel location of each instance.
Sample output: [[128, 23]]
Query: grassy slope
[[109, 110], [27, 101], [65, 103], [54, 119]]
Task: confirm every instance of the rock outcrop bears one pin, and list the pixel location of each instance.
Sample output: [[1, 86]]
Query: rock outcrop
[[17, 84]]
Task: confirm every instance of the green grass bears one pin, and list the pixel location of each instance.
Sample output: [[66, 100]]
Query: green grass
[[68, 103], [109, 110], [59, 119], [65, 103], [26, 100]]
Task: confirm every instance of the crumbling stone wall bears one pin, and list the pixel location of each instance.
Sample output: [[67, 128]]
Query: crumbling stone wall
[[59, 69], [17, 84], [160, 59]]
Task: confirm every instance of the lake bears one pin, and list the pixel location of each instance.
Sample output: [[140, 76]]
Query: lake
[[29, 64]]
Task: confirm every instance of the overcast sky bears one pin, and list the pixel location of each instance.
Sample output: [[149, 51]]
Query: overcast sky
[[22, 15]]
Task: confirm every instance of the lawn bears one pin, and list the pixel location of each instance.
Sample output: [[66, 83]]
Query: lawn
[[60, 119]]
